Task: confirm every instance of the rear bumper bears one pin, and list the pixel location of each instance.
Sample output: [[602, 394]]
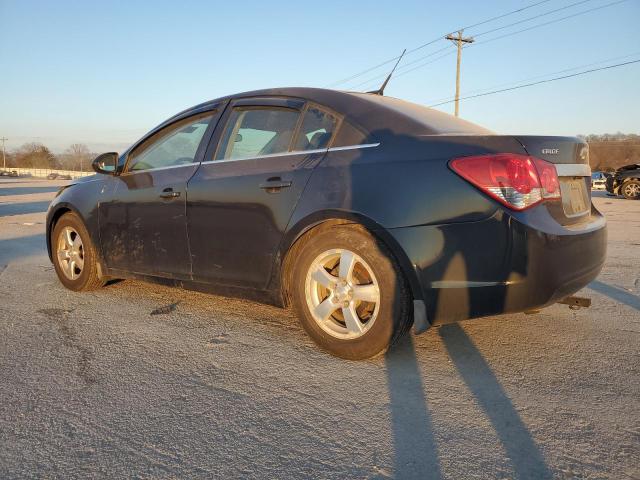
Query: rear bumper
[[502, 264]]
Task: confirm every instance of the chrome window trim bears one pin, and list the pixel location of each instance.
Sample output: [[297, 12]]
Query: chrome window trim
[[169, 167], [294, 152], [573, 170], [354, 147]]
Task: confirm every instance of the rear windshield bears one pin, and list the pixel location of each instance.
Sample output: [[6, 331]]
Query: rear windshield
[[435, 122]]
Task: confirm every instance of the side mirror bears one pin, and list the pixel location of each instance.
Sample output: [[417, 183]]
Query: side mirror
[[106, 163]]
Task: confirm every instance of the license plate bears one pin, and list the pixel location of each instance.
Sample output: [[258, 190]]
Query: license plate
[[575, 198]]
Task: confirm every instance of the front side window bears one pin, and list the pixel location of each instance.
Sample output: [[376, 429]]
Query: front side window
[[174, 145], [316, 130], [253, 132]]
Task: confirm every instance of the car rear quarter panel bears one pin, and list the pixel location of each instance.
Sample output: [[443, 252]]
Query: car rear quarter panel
[[403, 182]]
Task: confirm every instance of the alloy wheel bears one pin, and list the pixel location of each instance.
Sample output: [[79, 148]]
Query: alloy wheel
[[342, 294], [632, 190], [70, 253]]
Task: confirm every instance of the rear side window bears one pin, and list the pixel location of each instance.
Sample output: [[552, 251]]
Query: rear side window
[[174, 145], [253, 132], [349, 135], [317, 129]]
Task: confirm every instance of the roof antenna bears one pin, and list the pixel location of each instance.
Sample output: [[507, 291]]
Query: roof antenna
[[380, 91]]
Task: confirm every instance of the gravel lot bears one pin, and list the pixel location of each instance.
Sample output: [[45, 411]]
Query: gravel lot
[[92, 385]]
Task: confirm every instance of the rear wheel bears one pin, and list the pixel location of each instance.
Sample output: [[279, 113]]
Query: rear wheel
[[631, 189], [349, 294], [74, 256]]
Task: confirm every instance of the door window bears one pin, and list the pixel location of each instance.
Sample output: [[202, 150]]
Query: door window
[[253, 132], [174, 145], [316, 130]]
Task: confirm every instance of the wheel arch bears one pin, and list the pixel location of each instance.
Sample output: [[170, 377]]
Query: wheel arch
[[296, 237], [54, 216]]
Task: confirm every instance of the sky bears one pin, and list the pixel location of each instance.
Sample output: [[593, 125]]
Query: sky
[[104, 73]]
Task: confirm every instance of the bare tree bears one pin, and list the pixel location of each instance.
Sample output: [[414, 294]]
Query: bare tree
[[77, 157]]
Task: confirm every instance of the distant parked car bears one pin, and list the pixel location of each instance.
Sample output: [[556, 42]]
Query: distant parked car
[[64, 177], [625, 181], [13, 173], [4, 173], [598, 181], [52, 176]]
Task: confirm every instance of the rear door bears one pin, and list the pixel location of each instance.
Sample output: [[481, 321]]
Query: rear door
[[241, 198], [143, 224]]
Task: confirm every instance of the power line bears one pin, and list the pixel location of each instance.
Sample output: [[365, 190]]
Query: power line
[[377, 77], [426, 63], [540, 82], [533, 18], [461, 42], [468, 27], [607, 60], [550, 22], [431, 42], [504, 36]]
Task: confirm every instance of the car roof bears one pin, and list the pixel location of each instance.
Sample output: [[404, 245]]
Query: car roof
[[378, 114]]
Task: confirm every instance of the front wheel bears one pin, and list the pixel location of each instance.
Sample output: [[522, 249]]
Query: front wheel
[[631, 190], [349, 293], [74, 256]]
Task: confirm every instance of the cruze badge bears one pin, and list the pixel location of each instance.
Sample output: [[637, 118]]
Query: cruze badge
[[550, 151]]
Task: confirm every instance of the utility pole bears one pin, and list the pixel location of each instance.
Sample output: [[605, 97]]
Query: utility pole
[[4, 159], [459, 40]]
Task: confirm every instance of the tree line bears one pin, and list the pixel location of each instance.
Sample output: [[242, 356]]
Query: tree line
[[606, 152], [36, 155], [610, 151]]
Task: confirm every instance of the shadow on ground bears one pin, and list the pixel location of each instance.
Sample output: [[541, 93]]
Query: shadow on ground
[[7, 209], [415, 446], [6, 191], [13, 249], [616, 293]]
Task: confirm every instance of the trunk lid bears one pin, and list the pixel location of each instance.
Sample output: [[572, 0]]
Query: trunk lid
[[558, 150]]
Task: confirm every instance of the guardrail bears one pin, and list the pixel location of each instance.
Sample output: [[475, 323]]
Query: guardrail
[[45, 172]]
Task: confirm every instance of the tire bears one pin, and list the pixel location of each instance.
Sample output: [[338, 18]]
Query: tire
[[84, 273], [631, 190], [356, 326]]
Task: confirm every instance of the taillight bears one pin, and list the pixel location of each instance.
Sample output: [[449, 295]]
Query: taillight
[[548, 178], [517, 181]]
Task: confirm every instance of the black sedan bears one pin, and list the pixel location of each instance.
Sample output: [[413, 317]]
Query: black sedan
[[368, 214], [625, 181]]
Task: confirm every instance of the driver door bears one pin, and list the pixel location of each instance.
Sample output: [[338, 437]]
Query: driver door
[[143, 226]]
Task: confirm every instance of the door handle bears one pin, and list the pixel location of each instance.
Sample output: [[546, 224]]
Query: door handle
[[169, 193], [275, 184]]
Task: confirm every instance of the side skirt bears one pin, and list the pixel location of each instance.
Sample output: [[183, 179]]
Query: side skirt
[[261, 296]]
